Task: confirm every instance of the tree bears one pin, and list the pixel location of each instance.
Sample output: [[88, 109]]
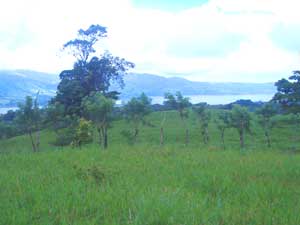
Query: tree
[[266, 119], [89, 74], [162, 133], [223, 122], [29, 118], [288, 93], [240, 118], [99, 109], [179, 103], [204, 117], [55, 116], [84, 133], [135, 112]]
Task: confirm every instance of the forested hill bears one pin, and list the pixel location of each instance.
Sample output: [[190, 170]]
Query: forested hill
[[16, 84]]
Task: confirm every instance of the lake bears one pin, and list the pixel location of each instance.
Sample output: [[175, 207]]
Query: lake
[[217, 99]]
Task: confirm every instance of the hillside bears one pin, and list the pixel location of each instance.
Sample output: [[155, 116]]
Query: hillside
[[15, 85], [148, 184]]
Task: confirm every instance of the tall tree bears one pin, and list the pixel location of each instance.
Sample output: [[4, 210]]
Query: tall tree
[[204, 117], [89, 74], [99, 109], [288, 93], [135, 112], [240, 118], [179, 103]]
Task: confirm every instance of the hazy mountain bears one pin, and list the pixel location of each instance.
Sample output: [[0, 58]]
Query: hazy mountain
[[15, 85], [154, 85]]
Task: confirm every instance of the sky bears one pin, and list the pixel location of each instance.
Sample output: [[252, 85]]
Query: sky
[[201, 40]]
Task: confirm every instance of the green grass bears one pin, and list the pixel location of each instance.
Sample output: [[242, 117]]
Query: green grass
[[147, 184]]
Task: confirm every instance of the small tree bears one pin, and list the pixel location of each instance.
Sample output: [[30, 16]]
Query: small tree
[[84, 133], [204, 117], [223, 122], [240, 118], [135, 112], [266, 119], [99, 109], [29, 118], [179, 103]]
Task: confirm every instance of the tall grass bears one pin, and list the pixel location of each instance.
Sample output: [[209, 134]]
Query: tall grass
[[147, 184]]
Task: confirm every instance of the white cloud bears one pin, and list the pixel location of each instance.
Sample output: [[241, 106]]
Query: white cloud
[[223, 40]]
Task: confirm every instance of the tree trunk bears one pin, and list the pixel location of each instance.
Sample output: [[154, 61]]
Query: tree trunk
[[136, 132], [105, 142], [38, 134], [100, 136], [186, 137], [161, 136], [32, 141], [268, 138], [223, 139], [242, 142], [205, 134]]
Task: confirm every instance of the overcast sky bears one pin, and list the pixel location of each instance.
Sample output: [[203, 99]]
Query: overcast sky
[[204, 40]]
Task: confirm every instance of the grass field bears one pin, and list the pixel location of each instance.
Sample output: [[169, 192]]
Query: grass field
[[149, 184]]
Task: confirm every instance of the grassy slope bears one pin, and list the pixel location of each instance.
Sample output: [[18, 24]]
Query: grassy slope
[[146, 184]]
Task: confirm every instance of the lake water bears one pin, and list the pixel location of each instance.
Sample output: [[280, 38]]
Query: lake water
[[210, 99], [218, 99]]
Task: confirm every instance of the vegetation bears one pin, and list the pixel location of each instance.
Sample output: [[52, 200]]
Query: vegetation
[[204, 117], [135, 112], [144, 184], [99, 109], [67, 180]]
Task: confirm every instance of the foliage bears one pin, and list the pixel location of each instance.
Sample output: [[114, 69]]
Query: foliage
[[84, 133], [89, 75], [179, 103], [288, 93], [83, 46]]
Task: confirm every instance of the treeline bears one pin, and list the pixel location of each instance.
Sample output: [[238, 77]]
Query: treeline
[[83, 104]]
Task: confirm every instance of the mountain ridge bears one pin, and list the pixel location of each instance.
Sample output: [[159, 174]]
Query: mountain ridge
[[16, 84]]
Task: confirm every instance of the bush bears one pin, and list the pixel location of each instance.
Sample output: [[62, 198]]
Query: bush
[[64, 137]]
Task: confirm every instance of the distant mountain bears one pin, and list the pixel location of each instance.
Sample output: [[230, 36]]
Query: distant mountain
[[154, 85], [15, 85]]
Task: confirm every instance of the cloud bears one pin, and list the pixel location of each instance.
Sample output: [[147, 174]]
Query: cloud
[[222, 40]]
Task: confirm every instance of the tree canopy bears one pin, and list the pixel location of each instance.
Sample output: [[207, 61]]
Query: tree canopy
[[89, 74], [288, 93]]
